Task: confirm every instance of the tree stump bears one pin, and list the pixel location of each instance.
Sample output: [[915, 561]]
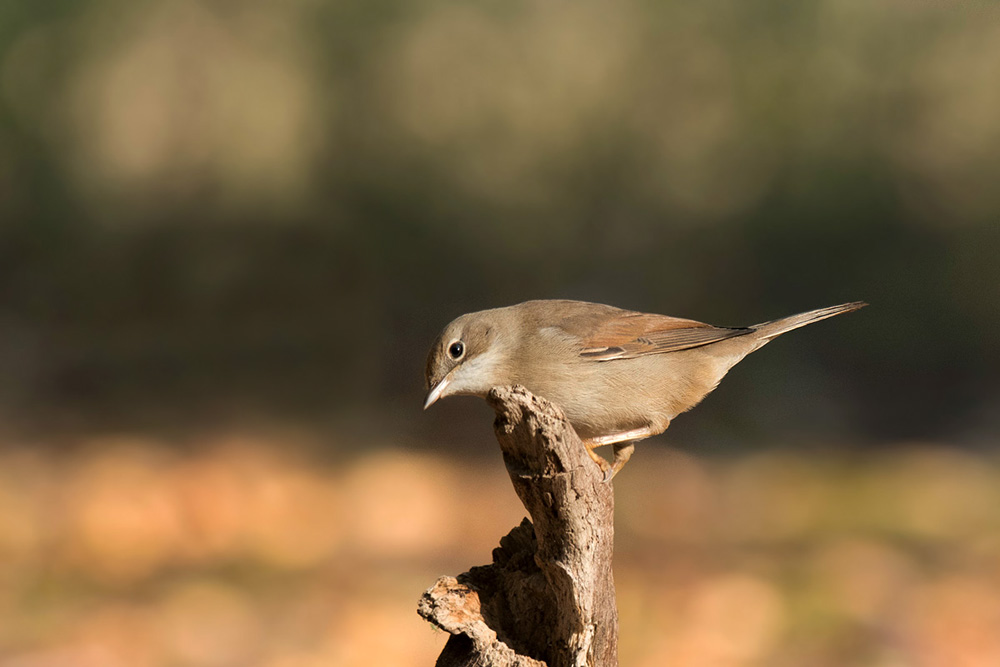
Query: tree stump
[[548, 598]]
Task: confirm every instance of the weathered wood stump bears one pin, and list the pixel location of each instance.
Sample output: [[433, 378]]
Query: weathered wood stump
[[548, 598]]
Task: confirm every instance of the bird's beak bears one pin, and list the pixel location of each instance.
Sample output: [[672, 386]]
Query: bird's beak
[[434, 394]]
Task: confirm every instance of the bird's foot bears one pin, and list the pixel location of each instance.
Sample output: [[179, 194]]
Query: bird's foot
[[599, 460], [623, 452], [624, 444]]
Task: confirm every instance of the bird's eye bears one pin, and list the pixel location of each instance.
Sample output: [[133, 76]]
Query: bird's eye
[[456, 349]]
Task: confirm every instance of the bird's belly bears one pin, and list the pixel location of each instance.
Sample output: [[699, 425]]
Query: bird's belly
[[603, 398]]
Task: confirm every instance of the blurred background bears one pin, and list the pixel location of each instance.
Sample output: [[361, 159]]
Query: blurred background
[[229, 232]]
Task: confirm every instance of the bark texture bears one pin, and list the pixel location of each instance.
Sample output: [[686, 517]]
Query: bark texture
[[548, 598]]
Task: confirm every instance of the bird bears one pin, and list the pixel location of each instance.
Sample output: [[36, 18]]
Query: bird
[[618, 375]]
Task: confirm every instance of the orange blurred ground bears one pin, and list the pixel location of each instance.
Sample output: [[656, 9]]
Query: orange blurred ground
[[255, 552]]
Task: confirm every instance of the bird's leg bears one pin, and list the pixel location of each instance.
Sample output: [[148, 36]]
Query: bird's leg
[[624, 443], [623, 436]]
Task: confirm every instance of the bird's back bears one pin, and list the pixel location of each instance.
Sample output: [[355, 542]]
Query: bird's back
[[601, 396]]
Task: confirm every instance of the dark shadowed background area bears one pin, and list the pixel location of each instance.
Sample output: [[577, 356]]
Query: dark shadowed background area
[[229, 232]]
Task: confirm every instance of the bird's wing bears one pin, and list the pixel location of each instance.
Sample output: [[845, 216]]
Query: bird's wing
[[629, 334]]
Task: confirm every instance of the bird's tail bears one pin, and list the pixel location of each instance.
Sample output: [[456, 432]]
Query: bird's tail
[[769, 330]]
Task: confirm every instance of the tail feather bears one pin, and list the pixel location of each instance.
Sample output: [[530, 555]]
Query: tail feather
[[773, 329]]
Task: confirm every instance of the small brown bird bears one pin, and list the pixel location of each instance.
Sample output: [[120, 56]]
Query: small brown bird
[[618, 375]]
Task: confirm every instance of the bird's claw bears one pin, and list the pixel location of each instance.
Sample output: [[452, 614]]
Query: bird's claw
[[623, 452]]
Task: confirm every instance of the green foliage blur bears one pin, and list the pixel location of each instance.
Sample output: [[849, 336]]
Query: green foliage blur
[[218, 207]]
